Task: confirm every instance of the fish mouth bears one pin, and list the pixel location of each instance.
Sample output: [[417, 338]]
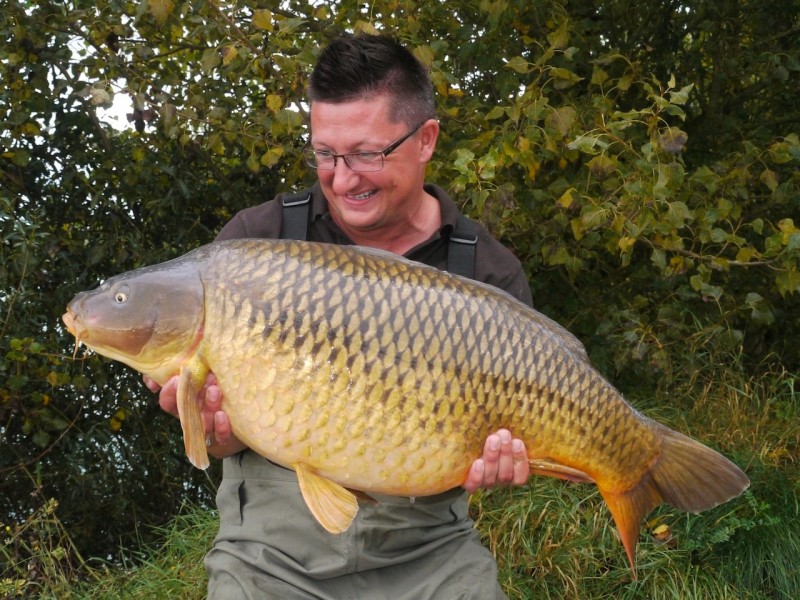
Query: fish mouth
[[75, 328]]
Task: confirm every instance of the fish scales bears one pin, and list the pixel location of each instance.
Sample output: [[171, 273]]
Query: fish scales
[[355, 281], [363, 370]]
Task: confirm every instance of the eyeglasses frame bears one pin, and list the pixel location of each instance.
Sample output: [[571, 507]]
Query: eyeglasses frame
[[382, 153]]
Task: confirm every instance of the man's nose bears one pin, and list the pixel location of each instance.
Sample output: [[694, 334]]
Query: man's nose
[[343, 177]]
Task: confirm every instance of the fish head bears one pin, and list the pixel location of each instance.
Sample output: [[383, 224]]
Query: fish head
[[150, 319]]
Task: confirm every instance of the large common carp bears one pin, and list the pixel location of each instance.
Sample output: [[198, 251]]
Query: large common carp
[[364, 371]]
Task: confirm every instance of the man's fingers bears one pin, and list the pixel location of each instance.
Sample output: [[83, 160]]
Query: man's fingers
[[168, 397], [151, 383], [222, 428], [522, 469], [475, 476], [491, 454], [213, 398]]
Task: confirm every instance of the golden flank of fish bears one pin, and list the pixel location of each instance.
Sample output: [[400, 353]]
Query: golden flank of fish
[[364, 371]]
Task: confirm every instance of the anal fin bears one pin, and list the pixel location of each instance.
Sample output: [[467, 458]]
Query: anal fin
[[549, 468], [332, 505]]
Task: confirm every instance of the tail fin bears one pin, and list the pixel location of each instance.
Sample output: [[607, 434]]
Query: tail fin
[[687, 475], [693, 477]]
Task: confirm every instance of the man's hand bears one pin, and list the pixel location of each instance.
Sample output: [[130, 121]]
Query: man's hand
[[215, 422], [504, 462]]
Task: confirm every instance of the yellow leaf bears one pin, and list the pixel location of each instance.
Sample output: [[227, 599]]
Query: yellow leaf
[[228, 54], [30, 128], [787, 227], [533, 169], [578, 229], [626, 243], [424, 55], [744, 255], [161, 9], [262, 19], [365, 27], [274, 102], [566, 198], [271, 157]]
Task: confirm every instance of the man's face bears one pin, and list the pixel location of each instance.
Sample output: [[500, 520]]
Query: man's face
[[367, 202]]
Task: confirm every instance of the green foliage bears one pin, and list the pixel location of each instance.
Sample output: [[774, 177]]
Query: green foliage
[[38, 555], [641, 159]]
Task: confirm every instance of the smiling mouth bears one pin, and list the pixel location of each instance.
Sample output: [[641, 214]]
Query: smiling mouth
[[363, 196]]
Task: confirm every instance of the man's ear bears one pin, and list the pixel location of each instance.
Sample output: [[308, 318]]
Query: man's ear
[[428, 134]]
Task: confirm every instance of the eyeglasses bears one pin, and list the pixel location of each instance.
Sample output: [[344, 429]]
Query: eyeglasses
[[356, 161]]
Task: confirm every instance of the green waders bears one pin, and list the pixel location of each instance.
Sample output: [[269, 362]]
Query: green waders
[[269, 545]]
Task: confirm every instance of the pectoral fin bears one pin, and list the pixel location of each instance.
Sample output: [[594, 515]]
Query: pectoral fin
[[331, 504], [544, 466], [191, 380]]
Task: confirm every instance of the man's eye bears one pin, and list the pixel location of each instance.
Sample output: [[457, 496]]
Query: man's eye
[[365, 157]]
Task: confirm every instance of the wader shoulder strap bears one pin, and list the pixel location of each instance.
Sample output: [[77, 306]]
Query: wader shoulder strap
[[461, 248], [296, 210]]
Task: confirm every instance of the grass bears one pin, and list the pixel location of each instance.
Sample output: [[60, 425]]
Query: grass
[[553, 540]]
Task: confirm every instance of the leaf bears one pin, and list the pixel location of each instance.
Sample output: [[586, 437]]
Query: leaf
[[780, 153], [563, 78], [41, 438], [769, 178], [659, 258], [561, 120], [567, 199], [496, 113], [601, 166], [680, 96], [788, 281], [677, 214], [424, 54], [210, 59], [262, 19], [519, 64], [272, 156], [743, 255], [161, 9], [274, 102], [586, 143], [626, 243], [559, 38], [599, 76], [672, 140], [229, 53]]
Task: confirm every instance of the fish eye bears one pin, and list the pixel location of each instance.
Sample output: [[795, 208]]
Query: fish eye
[[121, 296]]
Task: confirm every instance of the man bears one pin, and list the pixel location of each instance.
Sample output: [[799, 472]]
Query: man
[[373, 131]]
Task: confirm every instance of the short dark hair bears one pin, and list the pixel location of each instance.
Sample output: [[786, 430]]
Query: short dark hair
[[358, 67]]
